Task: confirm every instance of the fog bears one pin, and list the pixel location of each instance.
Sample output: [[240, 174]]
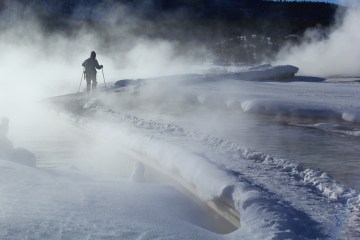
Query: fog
[[38, 62], [336, 54]]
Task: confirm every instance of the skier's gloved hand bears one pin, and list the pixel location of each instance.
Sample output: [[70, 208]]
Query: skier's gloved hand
[[101, 66]]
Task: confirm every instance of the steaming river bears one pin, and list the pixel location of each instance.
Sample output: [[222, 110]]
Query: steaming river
[[59, 143]]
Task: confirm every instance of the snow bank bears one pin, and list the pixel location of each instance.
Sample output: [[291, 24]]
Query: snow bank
[[261, 215], [261, 72], [297, 99], [267, 72], [257, 72]]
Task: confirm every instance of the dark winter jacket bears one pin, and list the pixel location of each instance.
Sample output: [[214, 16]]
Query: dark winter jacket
[[90, 64]]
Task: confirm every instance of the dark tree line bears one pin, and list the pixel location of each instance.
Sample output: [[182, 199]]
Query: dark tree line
[[212, 22]]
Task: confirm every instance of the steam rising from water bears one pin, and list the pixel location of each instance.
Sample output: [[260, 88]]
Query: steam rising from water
[[336, 55], [36, 63]]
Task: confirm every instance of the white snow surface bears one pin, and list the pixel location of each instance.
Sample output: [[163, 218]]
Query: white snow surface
[[68, 204], [163, 119]]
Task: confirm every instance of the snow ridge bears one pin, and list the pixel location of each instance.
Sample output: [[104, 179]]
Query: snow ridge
[[321, 180], [258, 209], [255, 205]]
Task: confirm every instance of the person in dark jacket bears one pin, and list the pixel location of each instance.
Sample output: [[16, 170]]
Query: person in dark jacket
[[90, 65]]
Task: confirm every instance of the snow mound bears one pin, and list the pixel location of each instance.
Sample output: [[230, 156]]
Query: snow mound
[[258, 210], [268, 72], [261, 72], [257, 72]]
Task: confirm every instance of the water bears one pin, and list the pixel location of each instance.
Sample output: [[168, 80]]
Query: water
[[335, 154]]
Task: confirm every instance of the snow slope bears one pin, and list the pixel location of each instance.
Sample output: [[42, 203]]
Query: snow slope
[[167, 121]]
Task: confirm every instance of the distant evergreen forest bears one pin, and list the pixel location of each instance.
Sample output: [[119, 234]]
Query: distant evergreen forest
[[236, 30]]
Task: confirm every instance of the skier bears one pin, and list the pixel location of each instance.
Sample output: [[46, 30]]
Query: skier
[[90, 72]]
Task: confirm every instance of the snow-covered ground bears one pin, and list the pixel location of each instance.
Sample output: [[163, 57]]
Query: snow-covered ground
[[264, 147], [67, 204]]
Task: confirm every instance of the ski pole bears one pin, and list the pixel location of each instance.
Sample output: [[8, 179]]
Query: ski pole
[[103, 77], [82, 76]]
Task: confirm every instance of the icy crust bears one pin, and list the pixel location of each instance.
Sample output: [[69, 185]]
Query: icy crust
[[257, 208]]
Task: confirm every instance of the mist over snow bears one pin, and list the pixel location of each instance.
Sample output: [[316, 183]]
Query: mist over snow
[[243, 136], [38, 62], [337, 54]]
